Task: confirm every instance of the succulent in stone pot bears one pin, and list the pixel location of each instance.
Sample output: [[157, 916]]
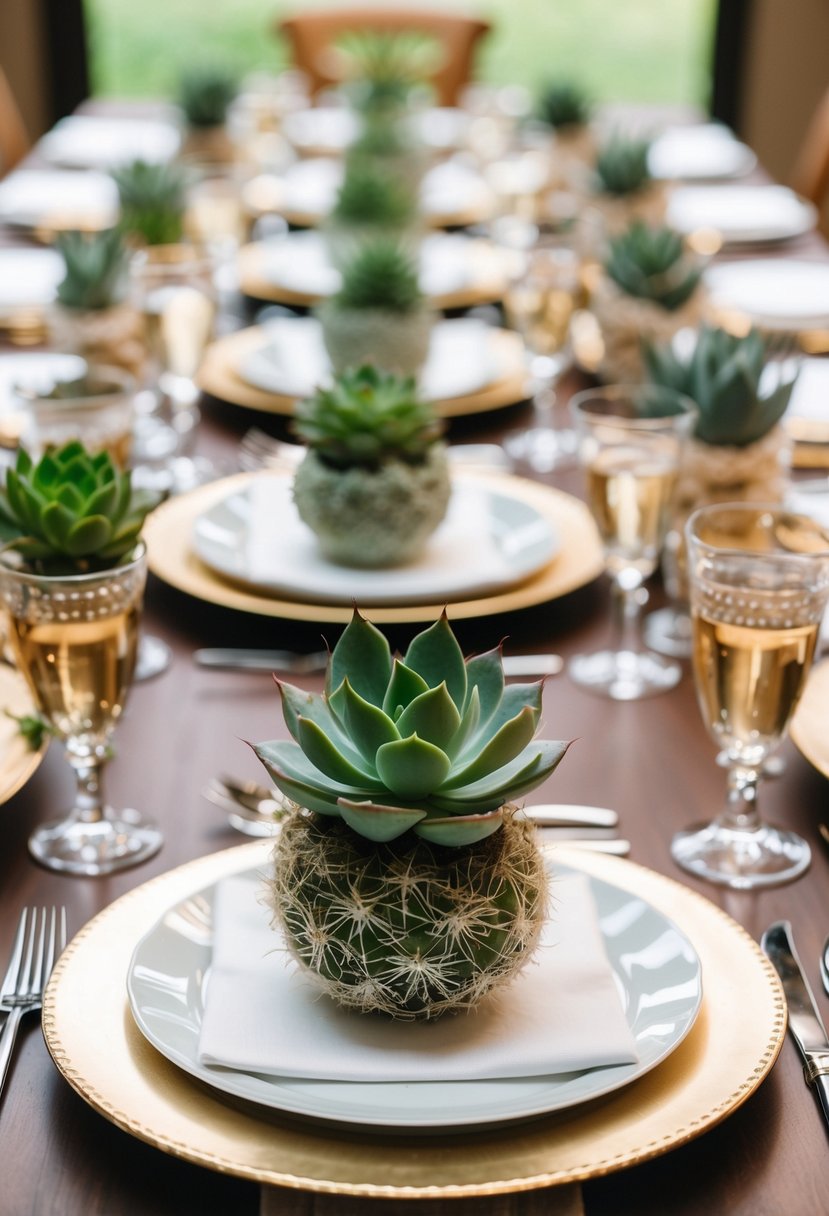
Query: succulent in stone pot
[[205, 94], [373, 201], [404, 881], [374, 483], [564, 105], [379, 314], [152, 201], [566, 108]]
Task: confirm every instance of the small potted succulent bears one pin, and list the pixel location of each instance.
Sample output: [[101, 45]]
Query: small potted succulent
[[650, 288], [622, 189], [371, 203], [384, 69], [379, 314], [152, 202], [374, 483], [388, 143], [92, 317], [566, 109], [404, 882], [72, 574], [205, 95]]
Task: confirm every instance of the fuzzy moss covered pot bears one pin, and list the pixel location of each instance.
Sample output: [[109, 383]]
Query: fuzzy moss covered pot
[[407, 885], [373, 517], [395, 341]]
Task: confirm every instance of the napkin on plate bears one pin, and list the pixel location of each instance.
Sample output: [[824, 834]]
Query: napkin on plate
[[561, 1014]]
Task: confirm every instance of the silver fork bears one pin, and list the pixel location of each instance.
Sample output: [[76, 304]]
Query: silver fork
[[258, 450], [33, 956]]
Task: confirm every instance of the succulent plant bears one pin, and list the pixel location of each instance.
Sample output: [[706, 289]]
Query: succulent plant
[[564, 104], [652, 264], [152, 201], [622, 166], [371, 196], [406, 884], [205, 93], [723, 374], [383, 136], [96, 267], [365, 417], [380, 274], [72, 511], [385, 66]]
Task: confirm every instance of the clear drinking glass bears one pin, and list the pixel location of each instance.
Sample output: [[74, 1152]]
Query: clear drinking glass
[[539, 304], [74, 639], [97, 409], [630, 447], [759, 579]]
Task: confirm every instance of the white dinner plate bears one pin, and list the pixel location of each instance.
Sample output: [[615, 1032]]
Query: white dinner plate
[[706, 151], [93, 141], [777, 293], [29, 278], [293, 360], [489, 540], [59, 198], [741, 214], [449, 262], [328, 130], [655, 967]]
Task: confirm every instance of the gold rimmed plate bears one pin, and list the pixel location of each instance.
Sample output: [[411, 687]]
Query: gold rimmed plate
[[168, 535], [810, 725], [715, 1069]]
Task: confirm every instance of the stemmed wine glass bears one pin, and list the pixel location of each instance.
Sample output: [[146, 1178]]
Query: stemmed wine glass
[[759, 580], [630, 441]]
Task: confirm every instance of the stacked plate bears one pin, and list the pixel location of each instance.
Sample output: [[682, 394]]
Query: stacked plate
[[741, 215], [775, 293], [53, 200], [87, 141], [328, 130], [702, 152]]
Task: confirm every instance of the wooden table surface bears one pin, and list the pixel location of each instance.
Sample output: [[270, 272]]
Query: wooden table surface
[[652, 760]]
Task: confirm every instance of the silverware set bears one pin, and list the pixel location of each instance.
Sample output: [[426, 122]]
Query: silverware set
[[255, 810], [38, 943]]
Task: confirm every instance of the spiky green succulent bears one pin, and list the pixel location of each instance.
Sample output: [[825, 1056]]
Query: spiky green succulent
[[72, 512], [382, 135], [152, 201], [429, 743], [205, 93], [564, 105], [371, 196], [385, 66], [365, 417], [724, 375], [95, 269], [622, 166], [380, 274], [653, 264]]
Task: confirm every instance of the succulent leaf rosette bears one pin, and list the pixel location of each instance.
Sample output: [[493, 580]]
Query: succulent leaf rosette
[[406, 883]]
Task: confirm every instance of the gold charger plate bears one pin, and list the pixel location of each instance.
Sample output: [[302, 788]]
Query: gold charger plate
[[168, 532], [486, 285], [718, 1066], [809, 727], [218, 376], [17, 760]]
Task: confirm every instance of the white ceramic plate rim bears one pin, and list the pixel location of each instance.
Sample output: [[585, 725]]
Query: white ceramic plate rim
[[397, 1106], [720, 280], [310, 576], [796, 216]]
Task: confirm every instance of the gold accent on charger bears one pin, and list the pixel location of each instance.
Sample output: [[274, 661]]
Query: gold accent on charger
[[486, 285], [17, 760], [168, 532], [715, 1069], [809, 729], [219, 377]]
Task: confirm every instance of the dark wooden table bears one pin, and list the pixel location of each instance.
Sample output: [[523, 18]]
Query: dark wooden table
[[652, 760]]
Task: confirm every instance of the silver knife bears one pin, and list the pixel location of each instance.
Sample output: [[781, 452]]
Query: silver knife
[[805, 1023], [239, 659]]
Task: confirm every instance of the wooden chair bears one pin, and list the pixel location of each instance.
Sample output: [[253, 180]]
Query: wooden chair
[[811, 172], [311, 35], [14, 141]]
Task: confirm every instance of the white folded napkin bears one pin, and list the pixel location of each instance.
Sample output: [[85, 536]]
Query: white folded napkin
[[562, 1014]]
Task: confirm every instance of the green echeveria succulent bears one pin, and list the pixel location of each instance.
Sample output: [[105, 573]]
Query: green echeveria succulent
[[724, 375], [652, 264], [380, 274], [622, 166], [205, 93], [96, 267], [365, 417], [71, 511], [428, 743], [152, 201], [371, 196], [564, 104]]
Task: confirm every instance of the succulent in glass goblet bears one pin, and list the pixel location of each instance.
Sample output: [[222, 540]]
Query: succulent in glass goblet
[[72, 576], [404, 880]]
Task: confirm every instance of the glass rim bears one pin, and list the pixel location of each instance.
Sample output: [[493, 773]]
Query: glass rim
[[756, 508], [139, 557], [174, 258], [578, 406], [124, 385]]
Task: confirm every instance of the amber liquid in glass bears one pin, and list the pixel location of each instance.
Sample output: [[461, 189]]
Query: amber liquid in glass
[[629, 491], [79, 671], [749, 680], [178, 325], [541, 315]]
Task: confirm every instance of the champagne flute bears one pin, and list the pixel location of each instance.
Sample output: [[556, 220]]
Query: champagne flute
[[759, 579], [74, 639], [630, 442]]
